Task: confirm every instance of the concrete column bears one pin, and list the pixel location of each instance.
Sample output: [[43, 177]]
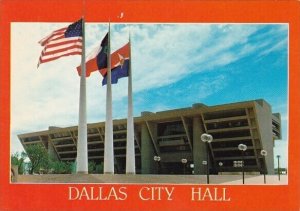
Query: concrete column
[[147, 151], [51, 151], [199, 147]]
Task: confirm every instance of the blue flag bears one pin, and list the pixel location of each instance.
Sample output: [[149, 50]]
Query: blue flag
[[120, 71], [120, 65]]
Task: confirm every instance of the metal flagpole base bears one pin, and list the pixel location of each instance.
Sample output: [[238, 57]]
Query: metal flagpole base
[[82, 172], [130, 173], [108, 173]]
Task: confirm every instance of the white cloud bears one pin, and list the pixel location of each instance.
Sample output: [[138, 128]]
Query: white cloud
[[174, 48], [281, 44], [162, 55]]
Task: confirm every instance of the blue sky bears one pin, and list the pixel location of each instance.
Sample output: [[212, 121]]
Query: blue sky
[[174, 66]]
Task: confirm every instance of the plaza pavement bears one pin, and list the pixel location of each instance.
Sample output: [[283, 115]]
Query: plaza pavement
[[151, 179]]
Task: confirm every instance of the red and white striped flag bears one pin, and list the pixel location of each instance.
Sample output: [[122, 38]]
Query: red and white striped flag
[[62, 42]]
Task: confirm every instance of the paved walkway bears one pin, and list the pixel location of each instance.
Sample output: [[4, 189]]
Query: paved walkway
[[151, 179]]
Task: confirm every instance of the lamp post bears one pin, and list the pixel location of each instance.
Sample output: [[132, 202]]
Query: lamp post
[[157, 160], [183, 161], [278, 157], [264, 153], [220, 164], [204, 162], [243, 148], [207, 138], [238, 163]]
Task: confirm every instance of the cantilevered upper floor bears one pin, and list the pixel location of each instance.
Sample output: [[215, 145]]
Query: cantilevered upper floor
[[175, 135]]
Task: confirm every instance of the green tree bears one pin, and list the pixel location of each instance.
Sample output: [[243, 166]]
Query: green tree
[[38, 158], [59, 167], [282, 170], [95, 168], [99, 168], [17, 159], [91, 167]]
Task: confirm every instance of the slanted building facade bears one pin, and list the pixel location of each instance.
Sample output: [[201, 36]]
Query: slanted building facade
[[175, 137]]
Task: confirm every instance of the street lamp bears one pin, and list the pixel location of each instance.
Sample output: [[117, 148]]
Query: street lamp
[[278, 157], [220, 164], [264, 153], [207, 138], [157, 160], [183, 161], [243, 148], [237, 163]]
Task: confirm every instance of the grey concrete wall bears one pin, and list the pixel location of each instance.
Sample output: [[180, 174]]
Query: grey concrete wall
[[199, 147], [147, 152], [264, 117]]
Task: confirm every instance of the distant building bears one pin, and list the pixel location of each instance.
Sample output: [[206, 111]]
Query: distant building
[[174, 135]]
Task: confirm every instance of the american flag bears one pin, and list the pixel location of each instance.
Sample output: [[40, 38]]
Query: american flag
[[62, 42]]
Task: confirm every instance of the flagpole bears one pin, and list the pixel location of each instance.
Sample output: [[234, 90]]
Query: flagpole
[[130, 147], [108, 144], [82, 153]]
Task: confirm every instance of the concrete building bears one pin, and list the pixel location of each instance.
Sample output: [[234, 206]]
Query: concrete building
[[174, 135]]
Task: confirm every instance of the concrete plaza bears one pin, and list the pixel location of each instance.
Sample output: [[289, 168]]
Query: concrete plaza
[[152, 179]]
